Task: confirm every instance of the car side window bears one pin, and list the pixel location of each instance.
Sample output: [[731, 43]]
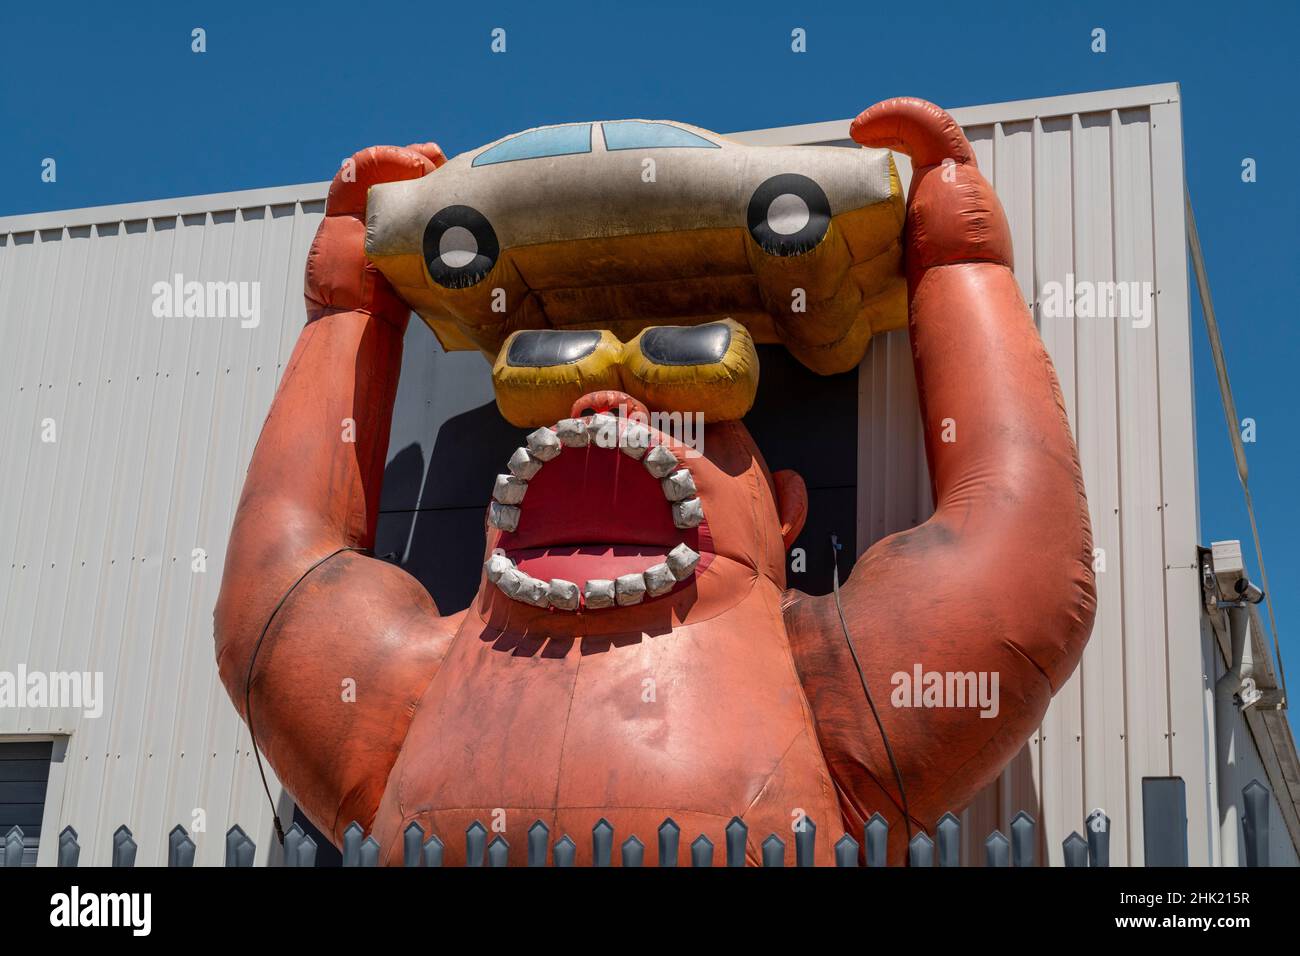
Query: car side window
[[536, 143], [640, 134]]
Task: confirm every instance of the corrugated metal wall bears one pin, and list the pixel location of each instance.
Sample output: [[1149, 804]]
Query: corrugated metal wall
[[156, 420]]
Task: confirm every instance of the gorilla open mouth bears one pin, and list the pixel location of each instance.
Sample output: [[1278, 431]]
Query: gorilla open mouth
[[597, 511]]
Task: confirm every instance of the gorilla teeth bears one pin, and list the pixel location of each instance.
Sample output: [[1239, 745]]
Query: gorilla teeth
[[563, 594], [629, 589], [496, 566], [679, 486], [604, 430], [543, 444], [659, 579], [636, 439], [509, 490], [688, 513], [510, 581], [523, 465], [572, 432], [682, 561], [504, 517], [532, 590], [659, 461], [598, 593]]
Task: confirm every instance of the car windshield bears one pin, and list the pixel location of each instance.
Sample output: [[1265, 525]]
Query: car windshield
[[536, 143], [639, 134]]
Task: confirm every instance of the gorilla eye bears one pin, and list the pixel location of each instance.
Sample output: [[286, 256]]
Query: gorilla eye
[[788, 215], [460, 247]]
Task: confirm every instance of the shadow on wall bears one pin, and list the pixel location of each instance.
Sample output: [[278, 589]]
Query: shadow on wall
[[441, 545], [432, 508]]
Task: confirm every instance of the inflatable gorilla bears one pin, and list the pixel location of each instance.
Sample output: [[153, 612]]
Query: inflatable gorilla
[[633, 652]]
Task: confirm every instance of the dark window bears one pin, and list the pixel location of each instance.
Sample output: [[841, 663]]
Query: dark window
[[24, 772]]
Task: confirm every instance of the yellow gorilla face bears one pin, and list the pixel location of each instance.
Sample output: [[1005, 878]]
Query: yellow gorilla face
[[648, 257]]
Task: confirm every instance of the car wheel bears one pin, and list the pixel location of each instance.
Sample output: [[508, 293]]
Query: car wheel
[[788, 215], [460, 247]]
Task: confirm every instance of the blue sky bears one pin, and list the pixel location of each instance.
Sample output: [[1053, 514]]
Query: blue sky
[[284, 92]]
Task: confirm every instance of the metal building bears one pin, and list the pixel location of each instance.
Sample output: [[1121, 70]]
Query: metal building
[[128, 435]]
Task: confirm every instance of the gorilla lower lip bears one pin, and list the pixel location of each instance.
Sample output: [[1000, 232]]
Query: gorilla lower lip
[[665, 565]]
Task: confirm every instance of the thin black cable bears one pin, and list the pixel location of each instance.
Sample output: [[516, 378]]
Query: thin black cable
[[248, 684], [889, 751]]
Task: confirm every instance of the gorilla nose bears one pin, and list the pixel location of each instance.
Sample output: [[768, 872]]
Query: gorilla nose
[[610, 399]]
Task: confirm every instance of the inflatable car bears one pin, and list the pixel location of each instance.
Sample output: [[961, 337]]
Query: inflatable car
[[624, 225]]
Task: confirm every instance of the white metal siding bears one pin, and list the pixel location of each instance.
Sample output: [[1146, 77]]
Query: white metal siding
[[156, 421]]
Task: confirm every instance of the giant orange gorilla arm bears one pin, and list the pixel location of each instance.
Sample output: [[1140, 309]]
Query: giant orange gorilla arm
[[343, 664], [1000, 579]]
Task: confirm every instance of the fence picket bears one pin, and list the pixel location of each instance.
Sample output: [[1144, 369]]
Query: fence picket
[[702, 851], [1098, 827], [565, 851], [846, 851], [240, 850], [875, 834], [920, 852], [369, 852], [292, 837], [412, 842], [352, 838], [13, 849], [432, 851], [773, 851], [475, 843], [539, 837], [737, 836], [602, 843], [1254, 823], [633, 852], [1022, 839], [948, 839], [997, 850], [69, 848], [498, 852], [805, 841], [669, 841], [124, 848], [1074, 849]]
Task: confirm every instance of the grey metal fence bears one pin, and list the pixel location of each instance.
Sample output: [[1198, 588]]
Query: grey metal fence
[[943, 849]]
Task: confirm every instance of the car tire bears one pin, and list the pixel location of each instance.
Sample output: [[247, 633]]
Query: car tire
[[789, 215], [460, 247]]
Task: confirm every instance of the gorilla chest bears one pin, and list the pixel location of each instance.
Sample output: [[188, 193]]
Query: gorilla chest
[[700, 717]]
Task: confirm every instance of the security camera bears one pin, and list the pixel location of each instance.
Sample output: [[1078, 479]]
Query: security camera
[[1248, 592]]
